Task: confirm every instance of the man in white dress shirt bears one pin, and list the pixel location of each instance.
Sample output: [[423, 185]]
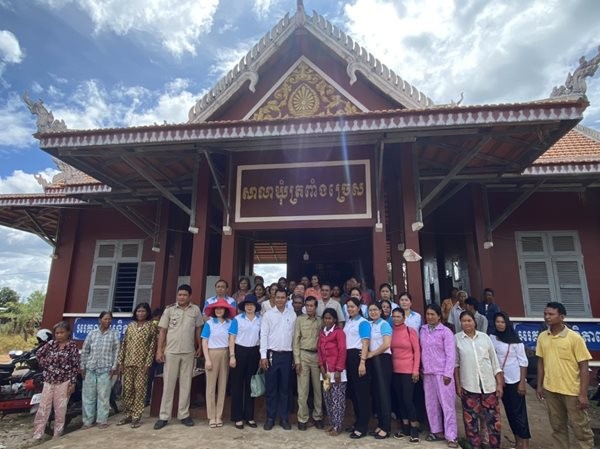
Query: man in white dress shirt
[[276, 336]]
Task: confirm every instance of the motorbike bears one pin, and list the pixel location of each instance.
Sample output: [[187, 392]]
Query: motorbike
[[21, 383]]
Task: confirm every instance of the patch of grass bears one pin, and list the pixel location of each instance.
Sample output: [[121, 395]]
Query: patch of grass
[[9, 342]]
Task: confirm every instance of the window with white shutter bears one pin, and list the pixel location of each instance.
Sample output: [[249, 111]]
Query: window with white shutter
[[143, 291], [119, 279], [551, 269]]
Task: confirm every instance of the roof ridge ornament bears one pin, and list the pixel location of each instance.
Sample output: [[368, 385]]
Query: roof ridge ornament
[[45, 119], [575, 84]]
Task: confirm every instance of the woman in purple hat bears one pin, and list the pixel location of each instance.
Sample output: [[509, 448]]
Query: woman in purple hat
[[215, 346], [244, 356]]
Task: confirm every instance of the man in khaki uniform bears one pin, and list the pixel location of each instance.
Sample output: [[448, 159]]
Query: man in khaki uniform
[[178, 344], [306, 333]]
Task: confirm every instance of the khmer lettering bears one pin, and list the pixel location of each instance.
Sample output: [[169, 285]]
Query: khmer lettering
[[293, 193]]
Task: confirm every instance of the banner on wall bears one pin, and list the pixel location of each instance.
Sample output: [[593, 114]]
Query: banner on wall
[[83, 326], [529, 331]]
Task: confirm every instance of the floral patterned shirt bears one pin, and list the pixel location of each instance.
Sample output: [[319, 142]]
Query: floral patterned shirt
[[60, 364]]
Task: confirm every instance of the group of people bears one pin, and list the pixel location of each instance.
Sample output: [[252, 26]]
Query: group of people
[[369, 347]]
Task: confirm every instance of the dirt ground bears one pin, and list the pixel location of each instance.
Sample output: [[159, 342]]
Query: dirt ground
[[15, 433]]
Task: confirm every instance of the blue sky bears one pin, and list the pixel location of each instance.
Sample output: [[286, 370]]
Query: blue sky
[[101, 63]]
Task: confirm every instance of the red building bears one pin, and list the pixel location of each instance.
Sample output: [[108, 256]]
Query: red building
[[312, 145]]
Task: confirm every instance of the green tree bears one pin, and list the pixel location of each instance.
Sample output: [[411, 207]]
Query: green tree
[[28, 315], [8, 298]]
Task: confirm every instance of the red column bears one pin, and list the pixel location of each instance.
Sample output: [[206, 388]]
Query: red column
[[411, 238], [161, 259], [480, 269], [228, 260], [393, 186], [60, 270], [201, 239]]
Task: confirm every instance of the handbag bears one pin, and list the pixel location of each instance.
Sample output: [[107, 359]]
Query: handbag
[[258, 385]]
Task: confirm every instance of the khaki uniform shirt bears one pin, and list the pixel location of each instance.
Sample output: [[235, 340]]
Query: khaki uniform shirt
[[306, 334], [181, 325]]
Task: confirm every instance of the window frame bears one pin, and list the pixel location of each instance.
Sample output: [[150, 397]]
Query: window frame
[[549, 256]]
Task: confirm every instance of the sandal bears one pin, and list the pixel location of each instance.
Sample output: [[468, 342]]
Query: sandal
[[219, 424], [453, 443], [212, 424], [433, 437], [356, 435], [125, 420], [136, 423], [104, 425], [379, 436]]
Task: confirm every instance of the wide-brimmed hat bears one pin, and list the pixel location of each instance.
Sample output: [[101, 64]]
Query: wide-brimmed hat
[[222, 303], [249, 299]]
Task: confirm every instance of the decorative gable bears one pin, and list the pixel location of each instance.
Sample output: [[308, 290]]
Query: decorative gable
[[304, 91]]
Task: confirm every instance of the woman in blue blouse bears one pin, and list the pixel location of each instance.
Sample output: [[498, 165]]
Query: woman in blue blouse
[[215, 346], [358, 334], [379, 364]]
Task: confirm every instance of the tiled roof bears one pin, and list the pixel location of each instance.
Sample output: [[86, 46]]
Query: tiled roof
[[580, 145]]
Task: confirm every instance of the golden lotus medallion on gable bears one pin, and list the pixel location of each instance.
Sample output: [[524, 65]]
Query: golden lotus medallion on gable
[[303, 101], [304, 93]]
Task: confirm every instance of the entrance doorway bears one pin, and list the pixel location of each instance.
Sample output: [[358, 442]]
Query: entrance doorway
[[333, 254]]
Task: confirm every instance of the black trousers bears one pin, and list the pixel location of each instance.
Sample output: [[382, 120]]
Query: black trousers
[[278, 384], [358, 387], [242, 404], [380, 368], [516, 411], [404, 388]]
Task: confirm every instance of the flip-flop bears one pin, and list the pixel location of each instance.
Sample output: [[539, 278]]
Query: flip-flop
[[433, 437]]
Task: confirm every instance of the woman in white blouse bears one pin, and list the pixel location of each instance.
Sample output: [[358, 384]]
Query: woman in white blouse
[[513, 361], [479, 382], [215, 347], [413, 319]]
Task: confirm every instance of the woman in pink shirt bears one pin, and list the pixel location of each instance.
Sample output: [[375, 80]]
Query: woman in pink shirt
[[406, 357], [331, 348]]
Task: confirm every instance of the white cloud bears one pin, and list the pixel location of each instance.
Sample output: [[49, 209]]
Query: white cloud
[[10, 52], [262, 7], [18, 124], [492, 51], [22, 182], [227, 58], [25, 261], [92, 105], [177, 24]]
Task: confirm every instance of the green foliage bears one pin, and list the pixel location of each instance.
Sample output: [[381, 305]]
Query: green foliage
[[8, 298], [24, 318]]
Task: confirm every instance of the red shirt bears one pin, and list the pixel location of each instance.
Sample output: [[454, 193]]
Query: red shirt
[[406, 352], [331, 349]]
